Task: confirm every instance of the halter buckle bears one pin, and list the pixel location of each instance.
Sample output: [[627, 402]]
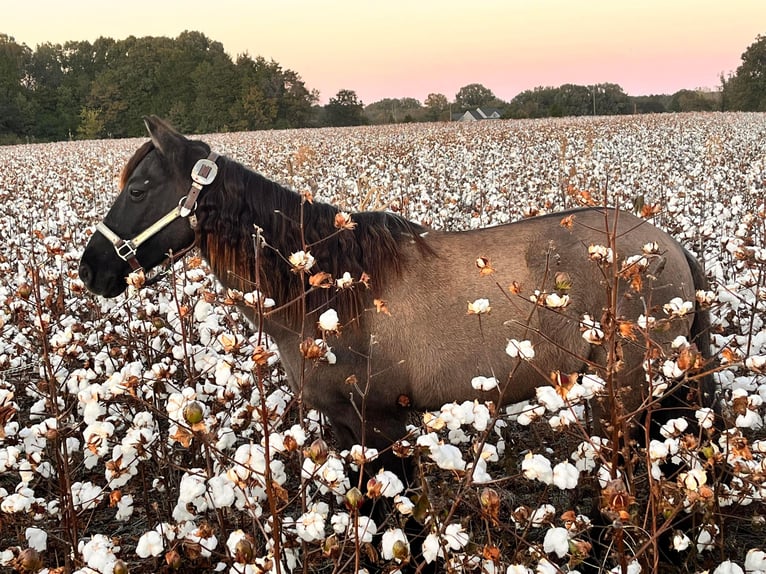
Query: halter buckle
[[204, 171], [126, 250]]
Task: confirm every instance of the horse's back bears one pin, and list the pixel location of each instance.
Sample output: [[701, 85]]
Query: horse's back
[[438, 346]]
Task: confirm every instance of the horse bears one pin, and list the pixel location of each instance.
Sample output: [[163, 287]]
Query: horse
[[412, 331]]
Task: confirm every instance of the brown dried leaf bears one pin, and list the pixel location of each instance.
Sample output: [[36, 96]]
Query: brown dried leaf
[[628, 330], [183, 436], [321, 280], [485, 267], [381, 307], [563, 383], [568, 222]]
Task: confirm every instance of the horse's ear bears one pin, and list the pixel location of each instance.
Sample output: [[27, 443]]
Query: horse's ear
[[164, 137]]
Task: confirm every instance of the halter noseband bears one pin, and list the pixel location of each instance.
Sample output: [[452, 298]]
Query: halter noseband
[[203, 173]]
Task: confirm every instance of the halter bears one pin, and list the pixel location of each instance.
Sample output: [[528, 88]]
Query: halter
[[203, 173]]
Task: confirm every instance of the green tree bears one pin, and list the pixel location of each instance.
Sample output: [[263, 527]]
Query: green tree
[[474, 96], [746, 89], [394, 110], [271, 97], [345, 109], [693, 101], [437, 106], [15, 113]]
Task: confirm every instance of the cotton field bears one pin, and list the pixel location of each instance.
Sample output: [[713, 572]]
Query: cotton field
[[155, 432]]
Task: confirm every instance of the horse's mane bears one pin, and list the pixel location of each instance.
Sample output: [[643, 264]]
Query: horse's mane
[[133, 162], [241, 198]]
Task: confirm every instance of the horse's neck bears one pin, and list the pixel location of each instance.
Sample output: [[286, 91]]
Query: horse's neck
[[268, 221]]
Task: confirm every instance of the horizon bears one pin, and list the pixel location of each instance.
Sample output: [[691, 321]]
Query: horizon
[[402, 50]]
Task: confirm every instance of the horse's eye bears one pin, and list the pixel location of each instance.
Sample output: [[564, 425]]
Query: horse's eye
[[136, 193]]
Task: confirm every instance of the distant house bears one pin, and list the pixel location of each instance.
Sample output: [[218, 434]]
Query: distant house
[[477, 115]]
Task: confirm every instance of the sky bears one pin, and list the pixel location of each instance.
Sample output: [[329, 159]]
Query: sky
[[411, 48]]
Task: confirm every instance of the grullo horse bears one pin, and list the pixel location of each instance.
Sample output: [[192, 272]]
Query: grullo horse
[[406, 335]]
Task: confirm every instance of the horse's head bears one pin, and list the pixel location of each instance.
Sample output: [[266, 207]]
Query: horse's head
[[150, 217]]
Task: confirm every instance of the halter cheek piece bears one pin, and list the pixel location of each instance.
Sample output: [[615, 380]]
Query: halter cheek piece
[[203, 173]]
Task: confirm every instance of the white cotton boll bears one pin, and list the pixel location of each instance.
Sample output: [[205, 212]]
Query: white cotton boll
[[150, 544], [328, 321], [431, 548], [705, 417], [658, 450], [479, 474], [221, 491], [681, 541], [542, 515], [366, 529], [674, 427], [518, 569], [728, 567], [310, 526], [693, 479], [391, 537], [36, 539], [671, 370], [479, 307], [537, 467], [677, 307], [549, 398], [633, 568], [404, 505], [705, 540], [556, 541], [565, 476], [455, 536], [593, 385], [391, 485], [124, 508], [447, 457], [521, 349], [484, 383], [755, 561], [749, 419], [530, 415]]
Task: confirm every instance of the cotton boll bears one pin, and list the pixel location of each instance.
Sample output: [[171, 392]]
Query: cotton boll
[[728, 567], [537, 467], [556, 541], [565, 476], [36, 538]]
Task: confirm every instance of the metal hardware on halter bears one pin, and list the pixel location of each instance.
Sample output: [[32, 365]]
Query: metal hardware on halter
[[203, 173]]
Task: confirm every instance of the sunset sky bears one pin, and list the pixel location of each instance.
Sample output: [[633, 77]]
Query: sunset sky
[[410, 48]]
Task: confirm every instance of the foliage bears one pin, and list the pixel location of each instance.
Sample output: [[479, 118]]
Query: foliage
[[102, 89], [395, 110], [345, 109], [437, 106], [746, 89], [474, 96]]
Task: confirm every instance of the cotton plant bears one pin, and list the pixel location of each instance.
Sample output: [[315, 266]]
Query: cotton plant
[[118, 362]]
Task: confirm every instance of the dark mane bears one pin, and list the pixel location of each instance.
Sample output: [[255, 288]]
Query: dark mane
[[241, 197], [134, 160]]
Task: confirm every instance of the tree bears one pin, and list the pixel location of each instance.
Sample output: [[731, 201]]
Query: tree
[[692, 101], [345, 109], [474, 96], [746, 89], [437, 105], [14, 87], [394, 110]]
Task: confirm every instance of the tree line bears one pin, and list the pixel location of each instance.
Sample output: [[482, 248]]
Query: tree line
[[93, 90]]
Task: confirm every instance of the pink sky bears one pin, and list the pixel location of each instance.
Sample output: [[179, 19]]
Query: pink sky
[[410, 48]]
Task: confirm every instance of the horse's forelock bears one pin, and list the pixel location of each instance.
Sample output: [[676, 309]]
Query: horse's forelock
[[140, 154]]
